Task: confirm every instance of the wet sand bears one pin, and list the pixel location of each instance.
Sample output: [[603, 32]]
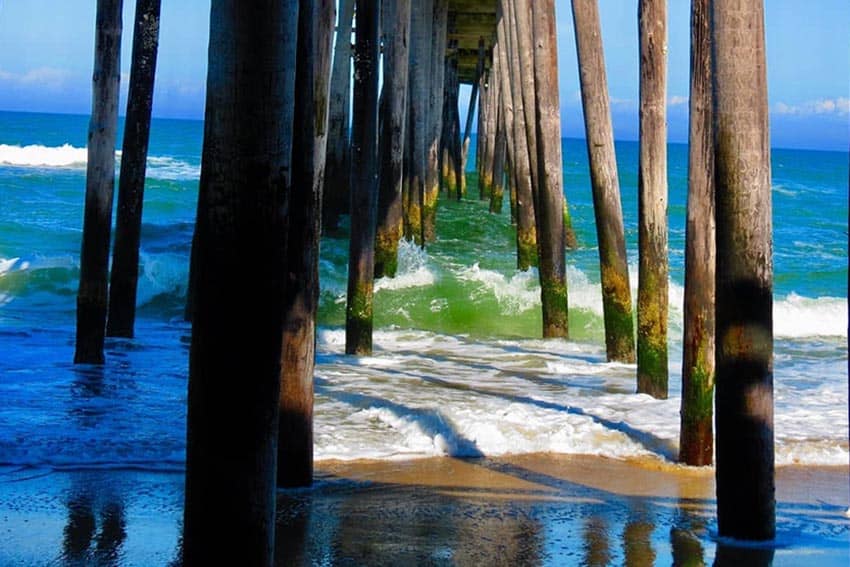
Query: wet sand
[[524, 510]]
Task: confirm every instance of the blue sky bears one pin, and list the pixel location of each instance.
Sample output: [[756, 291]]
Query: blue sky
[[46, 53]]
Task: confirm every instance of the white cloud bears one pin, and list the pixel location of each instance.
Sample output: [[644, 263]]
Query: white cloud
[[839, 106], [677, 100], [45, 77]]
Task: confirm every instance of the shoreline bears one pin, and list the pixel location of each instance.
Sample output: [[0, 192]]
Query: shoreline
[[522, 509]]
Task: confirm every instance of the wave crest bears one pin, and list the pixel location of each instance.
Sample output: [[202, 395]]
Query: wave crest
[[35, 155], [71, 157]]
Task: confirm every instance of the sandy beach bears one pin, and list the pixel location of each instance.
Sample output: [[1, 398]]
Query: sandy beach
[[526, 510]]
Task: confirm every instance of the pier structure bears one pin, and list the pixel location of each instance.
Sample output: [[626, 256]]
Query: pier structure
[[276, 144]]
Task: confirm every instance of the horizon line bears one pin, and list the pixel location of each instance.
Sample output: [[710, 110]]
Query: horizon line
[[121, 116]]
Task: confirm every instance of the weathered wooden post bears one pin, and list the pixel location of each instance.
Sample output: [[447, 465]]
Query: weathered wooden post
[[448, 164], [311, 62], [336, 196], [526, 232], [521, 15], [746, 504], [499, 156], [696, 439], [454, 145], [364, 180], [614, 268], [434, 126], [100, 181], [522, 60], [234, 361], [422, 17], [484, 108], [131, 183], [550, 200], [394, 135], [491, 125], [652, 201], [470, 114]]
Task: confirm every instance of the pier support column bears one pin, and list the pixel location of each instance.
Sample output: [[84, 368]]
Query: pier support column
[[652, 202], [312, 62], [450, 161], [100, 181], [499, 156], [746, 501], [364, 180], [434, 125], [610, 233], [696, 440], [235, 355], [336, 196], [470, 113], [394, 135], [131, 183], [490, 108], [526, 235], [422, 17], [550, 199]]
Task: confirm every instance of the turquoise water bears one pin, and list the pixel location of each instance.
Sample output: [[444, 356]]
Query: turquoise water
[[459, 368]]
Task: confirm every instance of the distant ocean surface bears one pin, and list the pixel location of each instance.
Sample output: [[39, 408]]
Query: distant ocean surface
[[458, 367]]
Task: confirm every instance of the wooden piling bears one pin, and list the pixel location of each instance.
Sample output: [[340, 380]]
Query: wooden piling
[[449, 181], [396, 16], [500, 151], [696, 440], [491, 126], [312, 63], [131, 182], [610, 234], [100, 181], [510, 175], [470, 114], [235, 355], [364, 180], [439, 31], [746, 504], [652, 201], [336, 195], [550, 199], [526, 233], [454, 142], [523, 78], [484, 108], [418, 104]]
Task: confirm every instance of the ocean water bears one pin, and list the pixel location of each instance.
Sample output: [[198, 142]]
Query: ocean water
[[458, 369]]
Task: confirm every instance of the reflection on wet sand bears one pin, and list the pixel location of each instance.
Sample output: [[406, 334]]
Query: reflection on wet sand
[[504, 512], [597, 547], [637, 541], [85, 542], [685, 543], [351, 523], [536, 510]]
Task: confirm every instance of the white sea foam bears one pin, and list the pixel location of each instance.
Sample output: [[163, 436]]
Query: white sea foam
[[423, 394], [797, 316], [8, 265], [65, 155], [68, 156], [413, 269], [171, 169], [161, 274], [515, 294]]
